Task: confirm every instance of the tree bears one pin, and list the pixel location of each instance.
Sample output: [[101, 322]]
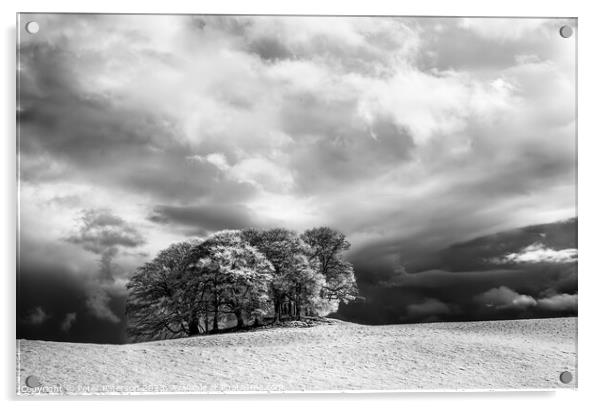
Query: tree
[[242, 273], [296, 282], [327, 246], [235, 276], [158, 304]]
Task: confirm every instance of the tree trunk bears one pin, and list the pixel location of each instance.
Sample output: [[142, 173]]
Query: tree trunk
[[240, 322], [193, 326], [215, 322], [215, 313], [298, 307], [276, 309], [206, 318]]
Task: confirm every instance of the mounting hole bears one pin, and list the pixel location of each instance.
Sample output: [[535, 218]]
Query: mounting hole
[[32, 27], [566, 377], [566, 31], [32, 381]]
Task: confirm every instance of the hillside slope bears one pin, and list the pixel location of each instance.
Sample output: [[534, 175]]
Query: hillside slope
[[476, 355]]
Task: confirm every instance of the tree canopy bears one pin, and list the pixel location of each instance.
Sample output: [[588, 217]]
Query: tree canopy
[[191, 287], [157, 305], [327, 246]]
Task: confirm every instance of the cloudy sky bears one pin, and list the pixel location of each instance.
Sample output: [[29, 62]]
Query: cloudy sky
[[407, 134]]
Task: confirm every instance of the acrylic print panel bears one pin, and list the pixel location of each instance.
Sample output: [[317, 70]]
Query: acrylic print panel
[[295, 203]]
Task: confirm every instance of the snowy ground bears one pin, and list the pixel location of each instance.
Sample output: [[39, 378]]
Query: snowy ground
[[477, 355]]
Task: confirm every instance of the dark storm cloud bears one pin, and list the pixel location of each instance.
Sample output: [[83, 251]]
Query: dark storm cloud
[[429, 310], [443, 295], [468, 203], [62, 295], [270, 49], [497, 250], [53, 101], [203, 218], [475, 264], [470, 283], [101, 231], [75, 132], [52, 278], [466, 283]]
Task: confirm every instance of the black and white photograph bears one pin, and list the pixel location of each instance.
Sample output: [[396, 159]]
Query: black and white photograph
[[295, 203]]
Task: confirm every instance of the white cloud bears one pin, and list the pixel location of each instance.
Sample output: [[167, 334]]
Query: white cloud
[[431, 104], [263, 173], [538, 253], [68, 321], [559, 302], [287, 210], [37, 316], [504, 29], [97, 302], [505, 298], [218, 160], [258, 171]]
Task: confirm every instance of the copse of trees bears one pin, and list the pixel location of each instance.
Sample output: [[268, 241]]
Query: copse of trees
[[296, 284], [249, 275]]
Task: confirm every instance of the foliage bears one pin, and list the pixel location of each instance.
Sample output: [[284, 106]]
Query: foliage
[[157, 305], [297, 281], [230, 276], [190, 287], [327, 246]]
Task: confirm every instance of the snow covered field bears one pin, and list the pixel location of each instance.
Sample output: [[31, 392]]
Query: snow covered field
[[341, 356]]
